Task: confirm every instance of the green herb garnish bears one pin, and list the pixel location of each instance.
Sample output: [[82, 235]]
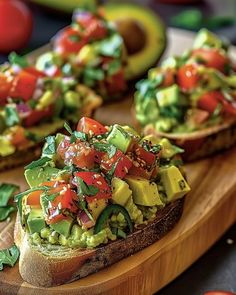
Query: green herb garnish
[[106, 147], [50, 146], [16, 59], [6, 192], [9, 256], [85, 189], [38, 163], [12, 117], [78, 135], [67, 127]]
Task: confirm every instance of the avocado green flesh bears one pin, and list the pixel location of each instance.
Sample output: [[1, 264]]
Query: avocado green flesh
[[174, 183], [120, 191], [119, 138], [63, 227], [140, 62], [35, 221], [144, 191], [207, 38], [38, 175]]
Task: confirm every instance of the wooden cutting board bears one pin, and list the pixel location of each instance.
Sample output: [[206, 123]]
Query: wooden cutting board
[[210, 209]]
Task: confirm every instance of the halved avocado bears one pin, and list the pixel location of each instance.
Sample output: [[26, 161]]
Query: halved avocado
[[143, 32]]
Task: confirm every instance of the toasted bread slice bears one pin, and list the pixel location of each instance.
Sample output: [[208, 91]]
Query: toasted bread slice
[[91, 102], [202, 143], [54, 265]]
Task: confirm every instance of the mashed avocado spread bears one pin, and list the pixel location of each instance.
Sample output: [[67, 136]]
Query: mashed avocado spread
[[98, 184]]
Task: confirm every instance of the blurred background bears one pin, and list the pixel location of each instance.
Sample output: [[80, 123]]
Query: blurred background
[[28, 25], [35, 27]]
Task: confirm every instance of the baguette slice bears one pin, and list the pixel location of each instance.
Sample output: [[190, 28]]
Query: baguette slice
[[202, 143], [47, 267], [91, 102]]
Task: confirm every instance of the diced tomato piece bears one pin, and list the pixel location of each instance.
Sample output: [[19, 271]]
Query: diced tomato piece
[[33, 199], [88, 125], [65, 199], [18, 136], [69, 41], [97, 180], [139, 171], [36, 116], [211, 57], [63, 146], [198, 117], [32, 70], [23, 86], [116, 82], [144, 162], [169, 78], [120, 161], [187, 77], [209, 101], [95, 30], [80, 154], [5, 86]]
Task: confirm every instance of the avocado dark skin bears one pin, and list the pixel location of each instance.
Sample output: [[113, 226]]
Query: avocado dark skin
[[133, 33]]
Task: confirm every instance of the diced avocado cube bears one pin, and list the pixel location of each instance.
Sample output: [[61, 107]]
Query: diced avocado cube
[[169, 150], [35, 221], [119, 138], [207, 38], [120, 191], [131, 131], [174, 183], [144, 191], [58, 139], [63, 227], [72, 99], [45, 100], [38, 175], [96, 207], [6, 147], [168, 96], [170, 62]]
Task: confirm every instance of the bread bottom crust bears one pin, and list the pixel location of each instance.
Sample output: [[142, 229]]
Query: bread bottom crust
[[46, 268]]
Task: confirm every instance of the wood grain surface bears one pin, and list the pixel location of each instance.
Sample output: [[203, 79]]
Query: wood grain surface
[[209, 211]]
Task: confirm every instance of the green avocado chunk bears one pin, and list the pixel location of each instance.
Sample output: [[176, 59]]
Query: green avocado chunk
[[174, 183], [207, 38], [35, 221], [63, 227], [120, 191], [144, 191], [168, 96], [138, 25], [6, 148], [119, 138], [38, 175]]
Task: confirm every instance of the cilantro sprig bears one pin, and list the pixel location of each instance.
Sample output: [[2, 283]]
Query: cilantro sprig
[[9, 256], [6, 192]]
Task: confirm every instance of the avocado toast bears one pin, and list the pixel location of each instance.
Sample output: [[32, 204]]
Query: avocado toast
[[33, 105], [191, 99], [91, 50], [96, 196]]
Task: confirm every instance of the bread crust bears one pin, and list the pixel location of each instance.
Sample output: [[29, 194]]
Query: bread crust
[[41, 267], [203, 143]]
